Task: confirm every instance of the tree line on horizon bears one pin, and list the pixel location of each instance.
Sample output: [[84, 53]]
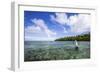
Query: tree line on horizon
[[83, 37]]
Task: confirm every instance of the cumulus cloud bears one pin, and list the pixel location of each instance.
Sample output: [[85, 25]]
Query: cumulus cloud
[[40, 23], [38, 29], [78, 23], [32, 29], [60, 18]]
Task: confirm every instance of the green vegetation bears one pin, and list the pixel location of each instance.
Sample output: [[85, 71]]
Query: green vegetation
[[84, 37], [51, 53]]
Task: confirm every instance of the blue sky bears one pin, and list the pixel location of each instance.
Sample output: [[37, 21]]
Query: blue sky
[[44, 26]]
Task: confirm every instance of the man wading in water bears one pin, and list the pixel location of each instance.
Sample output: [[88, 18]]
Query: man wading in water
[[76, 45]]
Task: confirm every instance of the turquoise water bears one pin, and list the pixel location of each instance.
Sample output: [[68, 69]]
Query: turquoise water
[[55, 44], [55, 50]]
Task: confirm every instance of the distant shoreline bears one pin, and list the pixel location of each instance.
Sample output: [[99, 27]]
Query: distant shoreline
[[83, 37]]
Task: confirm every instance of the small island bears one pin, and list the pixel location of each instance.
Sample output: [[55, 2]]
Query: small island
[[83, 37]]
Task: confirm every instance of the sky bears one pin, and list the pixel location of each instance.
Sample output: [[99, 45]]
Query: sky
[[48, 26]]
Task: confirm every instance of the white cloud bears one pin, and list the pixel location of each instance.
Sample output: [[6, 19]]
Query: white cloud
[[64, 29], [78, 23], [40, 23], [38, 30], [60, 18], [32, 28]]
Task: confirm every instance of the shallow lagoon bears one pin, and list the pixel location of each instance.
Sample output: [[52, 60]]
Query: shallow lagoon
[[55, 50]]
